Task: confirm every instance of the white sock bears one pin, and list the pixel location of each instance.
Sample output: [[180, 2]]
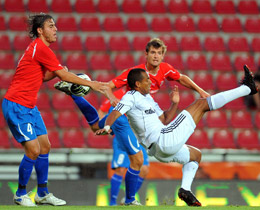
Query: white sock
[[219, 100], [188, 173]]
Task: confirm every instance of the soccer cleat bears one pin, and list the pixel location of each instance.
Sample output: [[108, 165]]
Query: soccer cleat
[[49, 199], [23, 200], [122, 201], [188, 197], [249, 80], [63, 86], [133, 203]]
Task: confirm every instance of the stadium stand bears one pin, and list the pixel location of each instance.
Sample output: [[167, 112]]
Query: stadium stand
[[5, 142], [225, 7], [214, 43], [217, 119], [132, 6], [43, 101], [38, 6], [91, 23], [248, 139], [61, 101], [94, 141], [118, 43], [68, 119], [14, 6], [85, 6], [200, 139], [197, 61], [178, 7], [54, 138], [201, 6], [77, 61], [223, 139], [95, 43], [73, 138], [61, 6], [135, 24], [62, 23], [104, 37], [155, 6], [123, 61], [48, 118], [2, 23]]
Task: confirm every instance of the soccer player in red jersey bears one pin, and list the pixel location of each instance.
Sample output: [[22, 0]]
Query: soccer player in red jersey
[[158, 71], [37, 65]]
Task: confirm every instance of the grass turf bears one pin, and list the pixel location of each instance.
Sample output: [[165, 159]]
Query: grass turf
[[163, 207]]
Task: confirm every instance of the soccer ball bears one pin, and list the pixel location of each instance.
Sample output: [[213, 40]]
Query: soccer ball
[[80, 90]]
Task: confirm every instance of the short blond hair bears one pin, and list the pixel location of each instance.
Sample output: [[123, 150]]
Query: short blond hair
[[156, 43]]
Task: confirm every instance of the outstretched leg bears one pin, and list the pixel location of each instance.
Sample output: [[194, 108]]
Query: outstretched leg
[[200, 106]]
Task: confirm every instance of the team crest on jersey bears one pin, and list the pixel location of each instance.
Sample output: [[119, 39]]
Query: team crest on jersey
[[149, 111]]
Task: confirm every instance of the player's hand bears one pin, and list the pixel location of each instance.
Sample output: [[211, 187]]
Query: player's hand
[[175, 95], [98, 86], [102, 132], [114, 101]]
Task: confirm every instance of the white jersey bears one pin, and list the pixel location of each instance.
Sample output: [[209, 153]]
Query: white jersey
[[143, 114]]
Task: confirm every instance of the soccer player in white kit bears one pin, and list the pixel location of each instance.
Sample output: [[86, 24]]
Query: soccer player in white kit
[[163, 137]]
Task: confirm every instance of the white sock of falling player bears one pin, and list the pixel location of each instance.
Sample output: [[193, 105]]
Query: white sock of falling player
[[188, 173], [220, 99]]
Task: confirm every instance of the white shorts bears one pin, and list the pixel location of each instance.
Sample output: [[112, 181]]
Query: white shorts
[[171, 145]]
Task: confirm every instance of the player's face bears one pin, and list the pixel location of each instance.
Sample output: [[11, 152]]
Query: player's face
[[145, 84], [49, 31], [155, 56]]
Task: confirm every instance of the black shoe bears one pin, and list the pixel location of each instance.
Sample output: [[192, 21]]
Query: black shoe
[[188, 197], [249, 80]]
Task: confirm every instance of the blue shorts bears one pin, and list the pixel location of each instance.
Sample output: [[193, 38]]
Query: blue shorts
[[121, 159], [125, 143], [25, 123]]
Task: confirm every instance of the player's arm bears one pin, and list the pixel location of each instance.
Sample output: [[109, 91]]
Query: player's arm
[[113, 100], [187, 82], [112, 117], [49, 76], [64, 75], [169, 114]]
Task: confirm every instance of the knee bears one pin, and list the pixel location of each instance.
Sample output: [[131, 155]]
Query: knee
[[144, 171], [195, 154], [136, 162], [45, 148], [120, 171], [33, 153], [139, 162]]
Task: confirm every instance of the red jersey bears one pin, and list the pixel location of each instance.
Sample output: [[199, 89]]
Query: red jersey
[[28, 78], [105, 106], [166, 71]]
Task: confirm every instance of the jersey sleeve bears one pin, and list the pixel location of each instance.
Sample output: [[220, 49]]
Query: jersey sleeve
[[126, 103], [46, 57], [121, 80], [171, 73]]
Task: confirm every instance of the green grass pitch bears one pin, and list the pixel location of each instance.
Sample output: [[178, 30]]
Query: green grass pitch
[[163, 207]]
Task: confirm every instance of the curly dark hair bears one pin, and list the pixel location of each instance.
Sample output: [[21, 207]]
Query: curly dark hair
[[37, 21], [133, 76]]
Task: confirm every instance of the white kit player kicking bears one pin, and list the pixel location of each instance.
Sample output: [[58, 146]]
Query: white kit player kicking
[[163, 137]]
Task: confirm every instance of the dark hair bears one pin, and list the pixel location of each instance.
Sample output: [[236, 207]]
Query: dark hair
[[35, 22], [156, 43], [133, 76]]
